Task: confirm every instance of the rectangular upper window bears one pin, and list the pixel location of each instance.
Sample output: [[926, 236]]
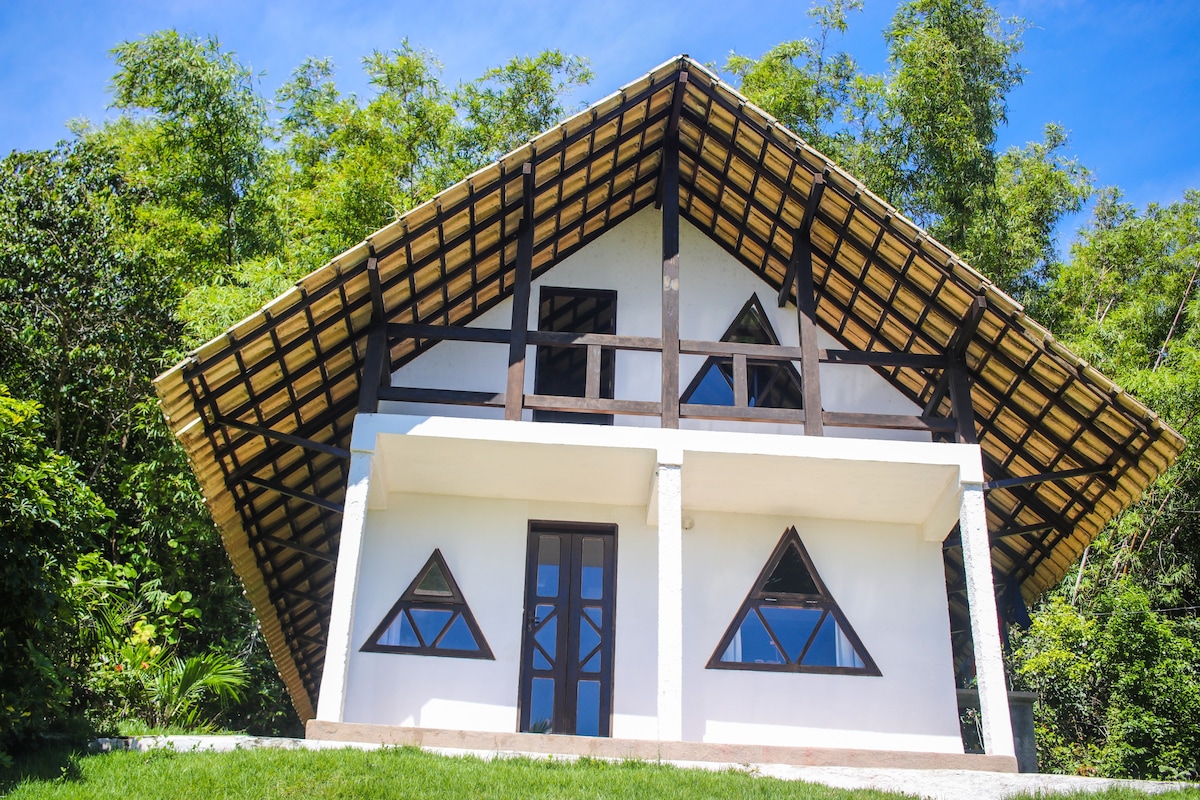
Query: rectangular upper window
[[562, 371]]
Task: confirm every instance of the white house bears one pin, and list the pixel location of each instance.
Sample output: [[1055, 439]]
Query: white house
[[661, 436]]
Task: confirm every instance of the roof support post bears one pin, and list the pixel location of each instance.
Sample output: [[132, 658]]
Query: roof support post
[[514, 396], [670, 281], [668, 486], [331, 701], [800, 269], [985, 623], [960, 377], [376, 366]]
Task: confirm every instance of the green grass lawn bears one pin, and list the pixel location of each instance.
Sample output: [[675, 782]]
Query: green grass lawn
[[390, 773]]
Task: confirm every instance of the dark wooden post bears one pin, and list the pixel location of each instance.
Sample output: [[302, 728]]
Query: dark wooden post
[[514, 395], [670, 281], [960, 377], [806, 311], [376, 361]]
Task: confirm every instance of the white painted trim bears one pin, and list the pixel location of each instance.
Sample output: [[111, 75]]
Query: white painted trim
[[670, 600], [332, 699], [985, 625]]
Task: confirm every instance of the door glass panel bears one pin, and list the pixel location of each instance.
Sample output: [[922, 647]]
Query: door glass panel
[[547, 568], [540, 661], [592, 664], [430, 622], [541, 706], [592, 576], [587, 710], [547, 634], [589, 638]]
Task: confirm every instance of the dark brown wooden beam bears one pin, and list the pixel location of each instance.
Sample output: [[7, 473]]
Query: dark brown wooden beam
[[880, 359], [741, 398], [895, 422], [801, 247], [298, 441], [672, 132], [547, 402], [1026, 480], [280, 488], [608, 340], [299, 548], [806, 313], [670, 280], [458, 333], [378, 315], [520, 313], [592, 380], [751, 413], [408, 394], [374, 372]]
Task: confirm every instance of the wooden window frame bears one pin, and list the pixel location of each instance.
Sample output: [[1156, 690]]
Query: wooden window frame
[[455, 603], [823, 600]]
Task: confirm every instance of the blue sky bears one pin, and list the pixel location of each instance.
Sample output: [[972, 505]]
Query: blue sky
[[1122, 77]]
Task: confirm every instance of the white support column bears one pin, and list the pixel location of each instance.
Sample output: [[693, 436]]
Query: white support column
[[332, 700], [985, 623], [670, 596]]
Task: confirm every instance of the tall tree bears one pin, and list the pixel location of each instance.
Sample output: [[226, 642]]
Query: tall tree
[[197, 138]]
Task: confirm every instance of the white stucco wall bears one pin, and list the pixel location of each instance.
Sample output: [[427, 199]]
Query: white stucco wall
[[713, 288], [886, 578], [887, 581], [483, 542]]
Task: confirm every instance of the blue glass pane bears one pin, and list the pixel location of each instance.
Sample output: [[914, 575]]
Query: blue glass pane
[[752, 644], [589, 639], [591, 577], [400, 633], [458, 636], [791, 626], [540, 661], [596, 615], [547, 634], [430, 622], [713, 389], [541, 706], [823, 650], [592, 664], [547, 570], [587, 711], [847, 656]]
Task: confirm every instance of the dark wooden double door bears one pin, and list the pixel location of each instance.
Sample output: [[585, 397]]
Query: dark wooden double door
[[567, 647]]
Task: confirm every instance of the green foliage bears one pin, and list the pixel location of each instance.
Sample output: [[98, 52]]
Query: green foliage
[[47, 514], [198, 147], [1120, 687], [923, 134]]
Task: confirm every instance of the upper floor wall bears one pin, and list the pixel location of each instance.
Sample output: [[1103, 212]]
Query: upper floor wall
[[714, 288]]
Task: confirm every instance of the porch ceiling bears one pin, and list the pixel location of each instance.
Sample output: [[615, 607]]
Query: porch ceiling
[[882, 284]]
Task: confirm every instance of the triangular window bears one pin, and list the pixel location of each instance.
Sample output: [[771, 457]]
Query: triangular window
[[431, 618], [791, 623], [770, 384]]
